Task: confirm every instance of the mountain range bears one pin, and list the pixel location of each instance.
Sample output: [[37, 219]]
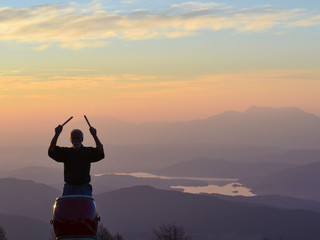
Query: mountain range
[[219, 168], [135, 211], [275, 152], [288, 128], [301, 181], [294, 180], [19, 227], [143, 208], [259, 134], [274, 201]]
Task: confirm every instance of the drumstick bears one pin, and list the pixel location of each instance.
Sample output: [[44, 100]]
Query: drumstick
[[67, 121], [87, 120]]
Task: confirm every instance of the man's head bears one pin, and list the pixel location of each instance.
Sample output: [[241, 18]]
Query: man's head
[[76, 138]]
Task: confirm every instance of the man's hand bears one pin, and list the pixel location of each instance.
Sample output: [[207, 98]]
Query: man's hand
[[93, 131], [99, 146], [54, 140], [58, 130]]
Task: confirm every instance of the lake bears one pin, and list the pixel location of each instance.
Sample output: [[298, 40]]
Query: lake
[[224, 186]]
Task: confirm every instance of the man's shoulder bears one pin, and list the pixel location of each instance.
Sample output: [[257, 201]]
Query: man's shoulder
[[93, 151], [59, 153]]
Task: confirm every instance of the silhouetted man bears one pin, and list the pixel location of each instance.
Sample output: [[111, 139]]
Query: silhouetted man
[[77, 161]]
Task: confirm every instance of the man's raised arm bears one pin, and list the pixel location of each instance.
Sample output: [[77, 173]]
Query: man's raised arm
[[54, 140], [99, 145]]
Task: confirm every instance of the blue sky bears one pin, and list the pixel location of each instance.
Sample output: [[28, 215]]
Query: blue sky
[[156, 3], [285, 31]]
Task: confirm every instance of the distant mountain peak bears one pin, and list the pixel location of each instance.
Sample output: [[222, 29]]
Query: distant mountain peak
[[268, 110], [227, 113]]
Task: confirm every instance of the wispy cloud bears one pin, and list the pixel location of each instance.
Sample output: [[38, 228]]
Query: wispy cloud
[[310, 21], [8, 72], [74, 26], [145, 83], [11, 82]]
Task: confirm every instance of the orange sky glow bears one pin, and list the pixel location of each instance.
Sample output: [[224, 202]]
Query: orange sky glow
[[175, 62]]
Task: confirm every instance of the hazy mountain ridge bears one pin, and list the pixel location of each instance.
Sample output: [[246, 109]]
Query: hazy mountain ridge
[[37, 174], [274, 201], [204, 216], [19, 193], [302, 181], [287, 127], [140, 209], [219, 168], [54, 178], [296, 156], [257, 133], [231, 136], [283, 127], [19, 227], [149, 157], [123, 158], [26, 208]]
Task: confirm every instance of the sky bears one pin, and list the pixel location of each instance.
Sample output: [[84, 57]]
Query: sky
[[160, 60]]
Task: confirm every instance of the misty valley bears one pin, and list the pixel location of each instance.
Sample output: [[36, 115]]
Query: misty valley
[[234, 176]]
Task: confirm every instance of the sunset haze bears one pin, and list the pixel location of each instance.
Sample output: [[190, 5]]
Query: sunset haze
[[143, 61]]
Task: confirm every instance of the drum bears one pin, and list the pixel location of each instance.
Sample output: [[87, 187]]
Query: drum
[[75, 216]]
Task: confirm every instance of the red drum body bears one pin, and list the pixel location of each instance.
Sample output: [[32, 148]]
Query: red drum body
[[75, 216]]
